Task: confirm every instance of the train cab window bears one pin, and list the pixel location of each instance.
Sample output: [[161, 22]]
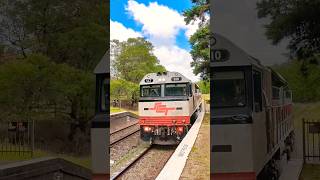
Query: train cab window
[[104, 96], [257, 91], [179, 89], [229, 89], [150, 91]]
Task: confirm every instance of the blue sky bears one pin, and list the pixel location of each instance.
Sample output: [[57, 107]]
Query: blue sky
[[118, 13], [161, 23]]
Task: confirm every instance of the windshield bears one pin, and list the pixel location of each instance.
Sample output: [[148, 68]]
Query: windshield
[[151, 91], [176, 89], [229, 89]]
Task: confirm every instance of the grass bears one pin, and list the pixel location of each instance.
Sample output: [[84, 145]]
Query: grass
[[310, 172], [116, 110], [198, 164], [308, 111], [9, 157], [206, 98]]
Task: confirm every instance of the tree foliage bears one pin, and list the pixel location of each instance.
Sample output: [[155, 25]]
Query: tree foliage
[[304, 89], [204, 86], [49, 49], [200, 39], [64, 30], [36, 85], [296, 20], [136, 59], [124, 90]]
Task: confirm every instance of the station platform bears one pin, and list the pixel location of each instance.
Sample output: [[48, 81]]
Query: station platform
[[198, 162], [177, 163]]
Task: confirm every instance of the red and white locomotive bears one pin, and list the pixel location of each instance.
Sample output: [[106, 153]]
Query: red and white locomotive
[[168, 106], [251, 116]]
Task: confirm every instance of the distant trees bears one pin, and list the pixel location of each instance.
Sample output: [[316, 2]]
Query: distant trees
[[304, 88], [204, 87], [133, 59], [136, 59], [35, 87], [48, 50], [72, 32]]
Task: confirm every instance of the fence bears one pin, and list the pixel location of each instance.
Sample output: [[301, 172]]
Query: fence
[[311, 141], [17, 138]]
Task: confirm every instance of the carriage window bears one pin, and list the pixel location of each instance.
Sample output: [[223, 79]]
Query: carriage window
[[257, 91], [104, 96], [151, 91], [229, 89], [176, 89]]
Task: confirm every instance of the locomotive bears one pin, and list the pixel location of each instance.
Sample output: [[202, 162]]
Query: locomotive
[[252, 133], [169, 104], [100, 123]]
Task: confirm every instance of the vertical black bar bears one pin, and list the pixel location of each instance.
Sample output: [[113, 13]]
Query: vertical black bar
[[318, 145], [313, 151], [303, 140], [307, 140]]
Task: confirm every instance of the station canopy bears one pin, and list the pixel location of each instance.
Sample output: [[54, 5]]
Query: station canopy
[[103, 66]]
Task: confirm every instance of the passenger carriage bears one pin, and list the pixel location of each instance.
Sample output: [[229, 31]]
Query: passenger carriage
[[251, 122], [168, 106]]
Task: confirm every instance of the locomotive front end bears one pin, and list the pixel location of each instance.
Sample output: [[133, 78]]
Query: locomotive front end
[[166, 106]]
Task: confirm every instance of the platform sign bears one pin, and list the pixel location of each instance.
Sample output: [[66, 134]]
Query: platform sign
[[219, 55]]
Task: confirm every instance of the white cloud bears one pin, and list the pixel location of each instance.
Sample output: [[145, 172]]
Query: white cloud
[[120, 32], [176, 59], [159, 23]]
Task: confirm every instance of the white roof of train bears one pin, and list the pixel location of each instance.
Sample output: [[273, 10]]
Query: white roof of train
[[238, 57], [162, 78]]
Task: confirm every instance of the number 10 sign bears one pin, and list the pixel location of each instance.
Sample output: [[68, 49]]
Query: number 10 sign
[[219, 55]]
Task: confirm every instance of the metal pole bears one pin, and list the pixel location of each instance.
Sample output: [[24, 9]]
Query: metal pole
[[303, 140], [32, 138]]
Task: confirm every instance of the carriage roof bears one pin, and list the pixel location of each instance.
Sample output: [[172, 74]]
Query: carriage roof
[[103, 66], [163, 78]]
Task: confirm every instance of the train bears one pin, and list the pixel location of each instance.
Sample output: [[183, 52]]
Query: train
[[169, 104], [252, 132], [101, 122]]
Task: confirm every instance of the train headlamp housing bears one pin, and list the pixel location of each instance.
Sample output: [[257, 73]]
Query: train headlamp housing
[[147, 129], [179, 129]]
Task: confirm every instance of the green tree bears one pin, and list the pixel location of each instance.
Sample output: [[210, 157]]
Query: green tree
[[66, 31], [36, 86], [204, 87], [136, 59], [297, 21], [124, 90], [200, 39], [305, 89]]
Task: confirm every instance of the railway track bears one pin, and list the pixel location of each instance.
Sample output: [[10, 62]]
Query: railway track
[[121, 134], [147, 164]]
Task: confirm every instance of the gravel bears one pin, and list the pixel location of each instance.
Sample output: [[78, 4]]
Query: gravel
[[150, 165]]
